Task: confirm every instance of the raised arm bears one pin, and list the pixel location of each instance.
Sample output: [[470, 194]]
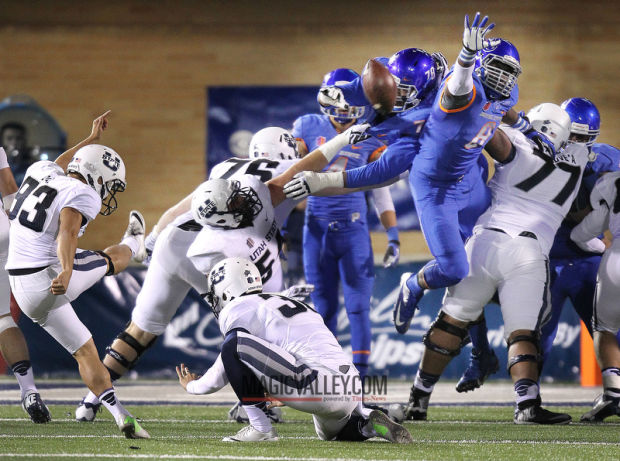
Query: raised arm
[[99, 125], [459, 89]]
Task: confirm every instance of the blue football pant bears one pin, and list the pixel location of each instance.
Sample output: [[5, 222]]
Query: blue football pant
[[337, 251]]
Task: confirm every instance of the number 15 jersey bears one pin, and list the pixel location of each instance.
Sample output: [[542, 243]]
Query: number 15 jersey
[[533, 192], [35, 214]]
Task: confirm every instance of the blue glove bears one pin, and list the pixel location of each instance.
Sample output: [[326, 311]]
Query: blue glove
[[392, 253]]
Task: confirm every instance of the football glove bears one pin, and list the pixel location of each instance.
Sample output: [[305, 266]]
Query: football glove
[[474, 36], [392, 254], [309, 182], [298, 292], [332, 96], [543, 143]]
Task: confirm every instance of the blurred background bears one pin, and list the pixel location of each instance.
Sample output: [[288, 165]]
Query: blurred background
[[153, 63]]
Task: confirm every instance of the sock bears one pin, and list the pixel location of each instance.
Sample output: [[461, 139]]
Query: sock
[[91, 398], [611, 381], [425, 381], [352, 431], [133, 243], [525, 389], [25, 377], [414, 286], [478, 334], [258, 418], [108, 398]]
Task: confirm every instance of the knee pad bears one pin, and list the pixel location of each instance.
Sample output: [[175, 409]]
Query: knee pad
[[442, 325], [536, 358], [7, 322], [131, 342]]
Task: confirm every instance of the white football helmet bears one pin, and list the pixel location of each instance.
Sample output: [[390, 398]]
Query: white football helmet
[[224, 203], [103, 169], [273, 143], [552, 121], [229, 279]]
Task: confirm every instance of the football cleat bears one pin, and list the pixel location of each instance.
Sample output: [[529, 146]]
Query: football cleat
[[481, 366], [136, 228], [130, 427], [406, 304], [250, 434], [237, 413], [36, 409], [388, 429], [604, 406], [535, 414], [87, 412], [417, 407]]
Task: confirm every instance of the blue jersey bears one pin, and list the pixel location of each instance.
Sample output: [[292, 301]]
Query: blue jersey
[[453, 139], [607, 159], [314, 130]]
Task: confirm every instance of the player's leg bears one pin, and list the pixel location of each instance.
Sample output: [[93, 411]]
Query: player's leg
[[321, 269], [463, 303], [526, 305], [561, 279], [167, 282], [476, 198], [606, 323], [437, 210], [357, 274]]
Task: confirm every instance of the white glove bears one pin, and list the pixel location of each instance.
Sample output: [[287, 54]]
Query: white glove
[[332, 96], [298, 292], [441, 63], [357, 133], [309, 182], [474, 35]]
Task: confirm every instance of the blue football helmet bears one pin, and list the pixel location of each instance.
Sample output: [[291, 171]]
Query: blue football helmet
[[415, 73], [498, 67], [343, 116], [585, 119]]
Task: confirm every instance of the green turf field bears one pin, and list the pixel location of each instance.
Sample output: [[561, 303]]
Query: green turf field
[[192, 432]]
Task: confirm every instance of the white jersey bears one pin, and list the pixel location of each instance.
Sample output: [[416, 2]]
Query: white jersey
[[262, 168], [605, 195], [35, 213], [533, 192], [292, 325], [260, 243]]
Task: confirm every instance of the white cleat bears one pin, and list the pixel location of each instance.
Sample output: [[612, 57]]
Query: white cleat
[[137, 229], [250, 434], [130, 428]]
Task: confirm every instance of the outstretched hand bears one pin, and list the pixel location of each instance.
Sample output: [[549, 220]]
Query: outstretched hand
[[185, 376], [474, 36]]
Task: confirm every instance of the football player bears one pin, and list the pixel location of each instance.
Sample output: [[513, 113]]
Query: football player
[[12, 342], [508, 253], [573, 270], [281, 347], [51, 209], [606, 319], [336, 242], [171, 274]]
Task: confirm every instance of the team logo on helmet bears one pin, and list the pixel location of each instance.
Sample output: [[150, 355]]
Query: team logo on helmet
[[112, 162], [207, 209]]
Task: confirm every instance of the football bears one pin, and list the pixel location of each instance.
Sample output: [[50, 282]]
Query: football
[[379, 86]]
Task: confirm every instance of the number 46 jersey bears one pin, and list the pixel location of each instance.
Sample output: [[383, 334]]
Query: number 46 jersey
[[533, 192], [35, 214], [290, 324]]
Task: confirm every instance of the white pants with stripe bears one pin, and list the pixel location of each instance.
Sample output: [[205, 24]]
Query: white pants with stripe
[[516, 268], [5, 290], [54, 312], [330, 392]]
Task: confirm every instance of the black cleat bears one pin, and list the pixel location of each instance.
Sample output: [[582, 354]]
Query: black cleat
[[36, 409], [535, 414], [418, 405], [604, 406]]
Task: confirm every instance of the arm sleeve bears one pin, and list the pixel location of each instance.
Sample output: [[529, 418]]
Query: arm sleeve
[[395, 160], [383, 200], [461, 81], [212, 381], [592, 225]]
